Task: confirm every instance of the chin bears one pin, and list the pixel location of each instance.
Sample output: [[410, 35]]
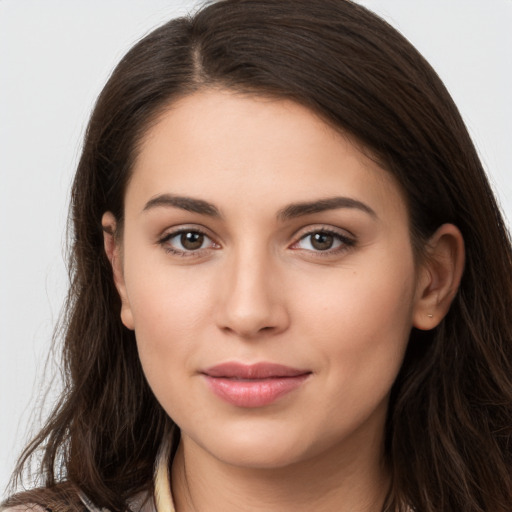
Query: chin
[[261, 456], [259, 446]]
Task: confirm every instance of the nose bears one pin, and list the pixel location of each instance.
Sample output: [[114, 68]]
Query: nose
[[251, 303]]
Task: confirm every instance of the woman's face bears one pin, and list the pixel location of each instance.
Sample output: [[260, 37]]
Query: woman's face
[[268, 273]]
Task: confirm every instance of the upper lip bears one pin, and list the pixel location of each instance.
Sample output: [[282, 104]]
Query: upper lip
[[263, 370]]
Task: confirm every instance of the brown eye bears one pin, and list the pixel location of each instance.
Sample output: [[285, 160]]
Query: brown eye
[[187, 242], [322, 241], [191, 240], [325, 241]]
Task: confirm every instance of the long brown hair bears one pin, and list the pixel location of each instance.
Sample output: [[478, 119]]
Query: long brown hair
[[449, 430]]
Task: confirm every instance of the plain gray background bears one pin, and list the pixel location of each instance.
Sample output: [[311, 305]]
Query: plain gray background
[[54, 58]]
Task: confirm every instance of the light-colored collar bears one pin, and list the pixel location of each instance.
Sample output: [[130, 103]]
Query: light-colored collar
[[163, 496]]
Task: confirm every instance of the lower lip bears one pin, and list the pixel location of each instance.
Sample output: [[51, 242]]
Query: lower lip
[[254, 393]]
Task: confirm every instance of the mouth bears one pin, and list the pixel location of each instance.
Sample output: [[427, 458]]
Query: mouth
[[254, 385]]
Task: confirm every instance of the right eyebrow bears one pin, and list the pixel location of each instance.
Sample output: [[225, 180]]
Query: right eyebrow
[[189, 204]]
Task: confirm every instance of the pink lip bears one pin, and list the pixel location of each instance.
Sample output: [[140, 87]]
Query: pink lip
[[253, 385]]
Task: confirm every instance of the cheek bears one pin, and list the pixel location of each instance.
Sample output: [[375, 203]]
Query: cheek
[[360, 322], [170, 308], [358, 339]]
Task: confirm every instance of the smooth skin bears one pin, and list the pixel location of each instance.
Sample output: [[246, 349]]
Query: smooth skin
[[256, 232]]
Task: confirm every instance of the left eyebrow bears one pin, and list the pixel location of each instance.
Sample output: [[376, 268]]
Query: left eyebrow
[[332, 203]]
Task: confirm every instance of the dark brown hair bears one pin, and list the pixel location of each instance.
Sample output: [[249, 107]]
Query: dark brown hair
[[449, 430]]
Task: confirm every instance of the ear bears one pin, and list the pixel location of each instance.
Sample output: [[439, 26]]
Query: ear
[[113, 250], [439, 277]]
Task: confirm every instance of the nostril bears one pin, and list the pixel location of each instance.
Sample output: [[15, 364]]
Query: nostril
[[248, 307]]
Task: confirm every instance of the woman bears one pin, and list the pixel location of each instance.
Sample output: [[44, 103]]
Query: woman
[[291, 279]]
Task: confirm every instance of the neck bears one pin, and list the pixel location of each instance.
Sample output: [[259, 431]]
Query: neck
[[341, 480]]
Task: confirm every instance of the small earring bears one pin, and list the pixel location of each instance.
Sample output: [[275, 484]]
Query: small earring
[[430, 316]]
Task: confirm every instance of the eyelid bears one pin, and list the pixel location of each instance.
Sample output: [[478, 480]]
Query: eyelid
[[347, 239], [173, 232], [169, 231], [328, 228]]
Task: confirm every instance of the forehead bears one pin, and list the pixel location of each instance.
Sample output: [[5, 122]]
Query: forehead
[[223, 146]]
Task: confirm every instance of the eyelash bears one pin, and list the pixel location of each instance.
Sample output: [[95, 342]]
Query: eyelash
[[164, 242], [345, 242]]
